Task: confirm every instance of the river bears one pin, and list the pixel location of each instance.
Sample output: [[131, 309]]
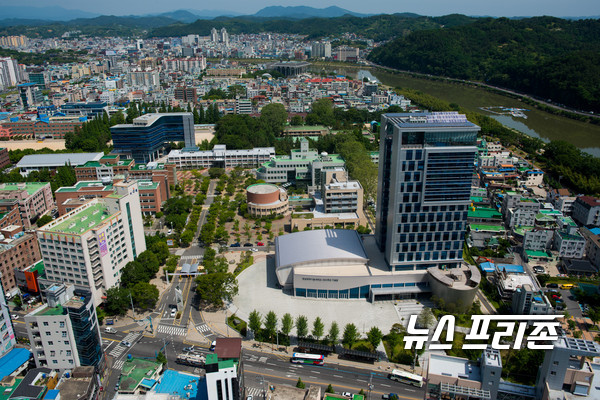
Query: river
[[538, 123]]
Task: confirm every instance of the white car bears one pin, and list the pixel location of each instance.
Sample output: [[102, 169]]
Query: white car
[[169, 231], [347, 394], [173, 312], [14, 316], [126, 343]]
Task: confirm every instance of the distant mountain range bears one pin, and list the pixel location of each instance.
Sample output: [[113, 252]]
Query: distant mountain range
[[301, 12], [16, 15]]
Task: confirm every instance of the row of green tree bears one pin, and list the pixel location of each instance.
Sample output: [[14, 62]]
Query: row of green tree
[[266, 327], [94, 134], [192, 225], [64, 176], [50, 56], [548, 57]]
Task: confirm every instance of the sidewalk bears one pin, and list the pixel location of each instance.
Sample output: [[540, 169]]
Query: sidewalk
[[216, 321]]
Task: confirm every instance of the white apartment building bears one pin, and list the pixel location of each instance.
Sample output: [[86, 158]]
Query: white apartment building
[[143, 78], [7, 330], [569, 245], [538, 239], [64, 333], [533, 177], [90, 245], [520, 217]]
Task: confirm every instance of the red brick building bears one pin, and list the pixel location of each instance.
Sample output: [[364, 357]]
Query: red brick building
[[111, 166], [70, 197], [18, 251], [4, 158], [55, 128]]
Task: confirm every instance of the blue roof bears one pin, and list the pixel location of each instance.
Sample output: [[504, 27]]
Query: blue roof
[[148, 383], [13, 360], [175, 383], [511, 268], [487, 266], [595, 231], [51, 394]]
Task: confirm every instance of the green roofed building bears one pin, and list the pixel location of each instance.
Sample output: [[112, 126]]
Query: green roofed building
[[224, 376], [90, 245], [302, 164], [33, 199], [136, 370]]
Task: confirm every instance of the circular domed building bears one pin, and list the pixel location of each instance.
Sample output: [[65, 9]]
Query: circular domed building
[[265, 199]]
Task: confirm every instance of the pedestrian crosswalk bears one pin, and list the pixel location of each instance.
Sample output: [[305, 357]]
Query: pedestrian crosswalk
[[119, 349], [254, 358], [255, 392], [199, 258], [203, 328], [172, 330], [118, 365]]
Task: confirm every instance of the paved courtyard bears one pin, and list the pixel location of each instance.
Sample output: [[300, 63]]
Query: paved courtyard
[[258, 291]]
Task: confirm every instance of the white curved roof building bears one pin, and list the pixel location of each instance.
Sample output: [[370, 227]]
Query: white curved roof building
[[323, 251]]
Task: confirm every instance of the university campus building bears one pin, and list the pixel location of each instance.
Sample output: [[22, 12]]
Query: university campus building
[[425, 170], [147, 138], [90, 245]]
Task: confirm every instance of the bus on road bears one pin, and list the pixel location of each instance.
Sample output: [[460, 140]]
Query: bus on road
[[406, 377], [195, 360], [303, 358]]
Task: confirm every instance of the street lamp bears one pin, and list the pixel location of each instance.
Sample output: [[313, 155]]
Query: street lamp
[[132, 309]]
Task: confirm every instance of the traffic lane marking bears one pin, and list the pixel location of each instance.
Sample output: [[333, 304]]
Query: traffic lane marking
[[320, 383]]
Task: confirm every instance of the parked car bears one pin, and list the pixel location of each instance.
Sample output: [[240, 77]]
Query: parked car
[[347, 394], [260, 244], [169, 231], [552, 285], [555, 296], [235, 245], [254, 249], [247, 244], [125, 343], [110, 330], [538, 270]]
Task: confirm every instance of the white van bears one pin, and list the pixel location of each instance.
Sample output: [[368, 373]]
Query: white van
[[110, 330]]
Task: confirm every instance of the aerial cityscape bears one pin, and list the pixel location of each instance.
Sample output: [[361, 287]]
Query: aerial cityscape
[[259, 201]]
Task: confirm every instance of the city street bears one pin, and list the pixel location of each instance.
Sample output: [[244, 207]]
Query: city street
[[261, 368]]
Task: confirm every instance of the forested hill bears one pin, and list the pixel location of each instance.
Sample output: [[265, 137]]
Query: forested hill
[[548, 57], [378, 27]]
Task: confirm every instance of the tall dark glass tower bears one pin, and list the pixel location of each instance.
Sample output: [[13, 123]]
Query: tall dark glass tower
[[426, 165]]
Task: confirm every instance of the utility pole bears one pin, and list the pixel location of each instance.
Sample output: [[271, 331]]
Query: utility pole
[[165, 347]]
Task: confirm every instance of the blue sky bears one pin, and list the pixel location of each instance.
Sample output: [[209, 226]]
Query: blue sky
[[509, 8]]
